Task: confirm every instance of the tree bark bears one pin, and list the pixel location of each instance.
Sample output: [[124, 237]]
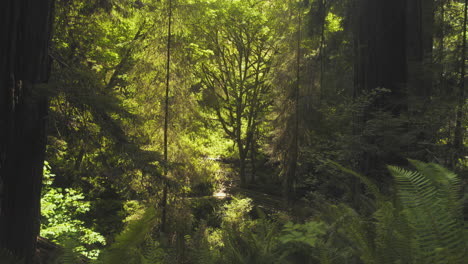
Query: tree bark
[[380, 62], [25, 29]]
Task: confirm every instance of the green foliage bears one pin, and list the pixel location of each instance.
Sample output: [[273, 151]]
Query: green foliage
[[307, 233], [69, 254], [235, 212], [423, 225], [204, 245], [61, 212], [241, 239], [235, 68], [135, 245], [257, 244], [432, 204], [233, 51]]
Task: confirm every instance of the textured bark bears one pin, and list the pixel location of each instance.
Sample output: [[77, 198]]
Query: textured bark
[[25, 32]]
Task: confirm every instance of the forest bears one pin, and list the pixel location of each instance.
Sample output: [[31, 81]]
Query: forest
[[233, 131]]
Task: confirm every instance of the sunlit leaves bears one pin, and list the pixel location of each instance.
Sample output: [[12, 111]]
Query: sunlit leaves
[[333, 23], [61, 210]]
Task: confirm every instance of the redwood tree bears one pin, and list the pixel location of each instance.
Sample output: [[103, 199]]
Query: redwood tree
[[393, 51], [25, 29], [381, 62]]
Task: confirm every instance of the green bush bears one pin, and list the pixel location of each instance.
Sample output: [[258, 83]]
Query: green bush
[[61, 210]]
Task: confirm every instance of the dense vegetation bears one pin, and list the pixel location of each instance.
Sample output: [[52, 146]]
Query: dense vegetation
[[233, 131]]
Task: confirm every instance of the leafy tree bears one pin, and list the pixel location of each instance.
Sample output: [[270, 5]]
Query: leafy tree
[[238, 46], [92, 144]]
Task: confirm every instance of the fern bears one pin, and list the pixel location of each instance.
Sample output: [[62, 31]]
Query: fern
[[202, 251], [373, 188], [69, 256], [431, 200], [128, 245], [256, 245], [152, 253], [424, 224]]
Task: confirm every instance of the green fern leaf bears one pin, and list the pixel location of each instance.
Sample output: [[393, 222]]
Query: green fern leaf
[[432, 205]]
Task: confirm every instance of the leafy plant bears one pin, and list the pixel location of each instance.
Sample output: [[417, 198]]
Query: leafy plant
[[307, 233], [432, 205], [61, 211], [257, 244], [422, 224], [135, 245], [244, 240], [235, 212]]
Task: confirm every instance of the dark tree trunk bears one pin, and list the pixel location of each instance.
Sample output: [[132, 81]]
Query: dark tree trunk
[[419, 39], [394, 42], [242, 165], [166, 120], [420, 23], [25, 33], [290, 173], [380, 62], [381, 51], [253, 160], [293, 148], [459, 134]]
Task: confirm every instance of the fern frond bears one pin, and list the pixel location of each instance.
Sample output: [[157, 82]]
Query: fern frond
[[69, 256], [373, 188], [432, 208], [126, 246], [152, 253], [358, 229]]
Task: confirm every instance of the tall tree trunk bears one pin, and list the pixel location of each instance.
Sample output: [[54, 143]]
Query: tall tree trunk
[[293, 150], [381, 58], [458, 136], [25, 29], [242, 163], [323, 14], [253, 158], [166, 120], [419, 39], [380, 62]]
